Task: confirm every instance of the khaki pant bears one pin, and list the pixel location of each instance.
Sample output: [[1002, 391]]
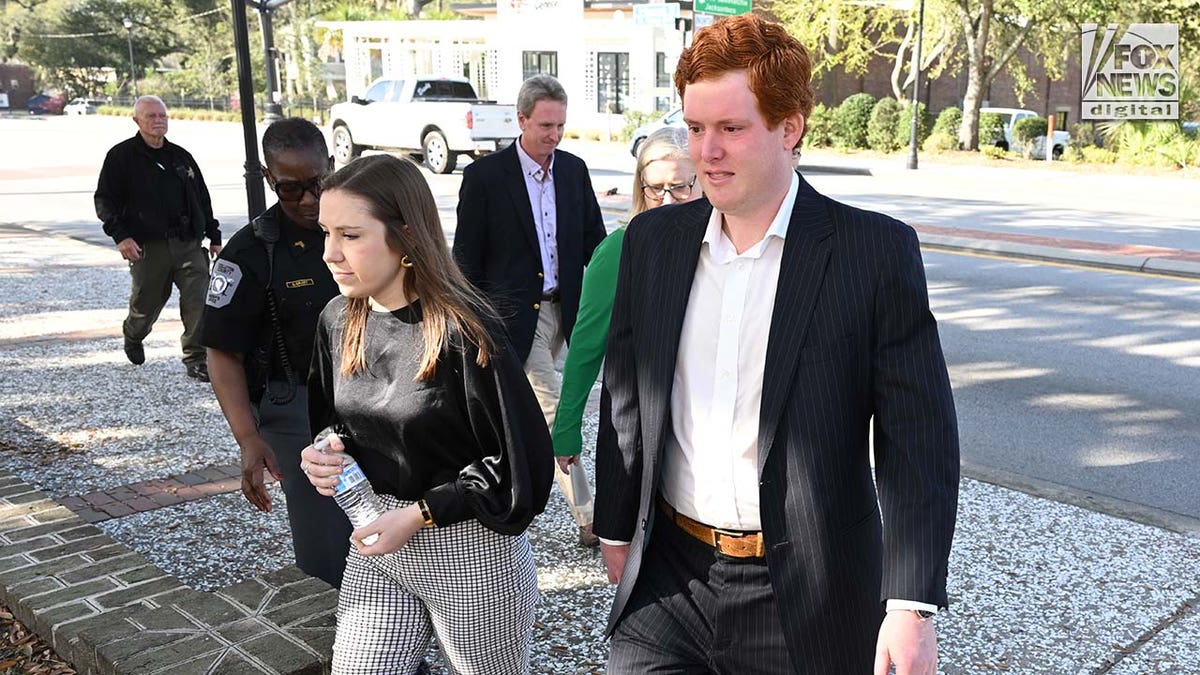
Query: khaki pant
[[543, 367], [183, 264]]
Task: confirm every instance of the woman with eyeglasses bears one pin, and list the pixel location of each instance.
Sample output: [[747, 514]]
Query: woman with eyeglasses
[[266, 292], [664, 174], [414, 372]]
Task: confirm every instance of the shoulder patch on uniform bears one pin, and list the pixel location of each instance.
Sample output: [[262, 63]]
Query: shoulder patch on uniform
[[225, 278]]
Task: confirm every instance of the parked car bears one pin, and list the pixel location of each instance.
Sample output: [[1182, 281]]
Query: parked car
[[436, 117], [671, 119], [82, 106], [1010, 117], [44, 104]]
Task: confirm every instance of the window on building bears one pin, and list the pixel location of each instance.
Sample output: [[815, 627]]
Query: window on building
[[1062, 118], [375, 56], [539, 63], [661, 77], [612, 82]]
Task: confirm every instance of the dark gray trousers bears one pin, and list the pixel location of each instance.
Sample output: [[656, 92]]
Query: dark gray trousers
[[164, 263], [320, 529], [694, 611]]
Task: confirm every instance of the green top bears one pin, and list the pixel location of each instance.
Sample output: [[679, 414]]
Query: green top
[[588, 342]]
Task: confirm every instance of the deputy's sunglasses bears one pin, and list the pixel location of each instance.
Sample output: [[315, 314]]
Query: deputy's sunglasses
[[293, 190]]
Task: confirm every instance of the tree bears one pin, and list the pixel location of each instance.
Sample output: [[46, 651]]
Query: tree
[[994, 31], [206, 59], [71, 41], [846, 33]]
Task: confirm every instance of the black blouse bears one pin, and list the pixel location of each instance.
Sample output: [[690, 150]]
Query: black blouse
[[471, 440]]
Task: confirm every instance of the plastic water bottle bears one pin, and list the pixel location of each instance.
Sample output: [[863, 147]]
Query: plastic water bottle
[[353, 492]]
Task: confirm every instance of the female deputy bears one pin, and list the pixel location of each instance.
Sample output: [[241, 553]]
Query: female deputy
[[664, 175]]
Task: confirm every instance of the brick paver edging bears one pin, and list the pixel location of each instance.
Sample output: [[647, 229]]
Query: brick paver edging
[[148, 495], [110, 611]]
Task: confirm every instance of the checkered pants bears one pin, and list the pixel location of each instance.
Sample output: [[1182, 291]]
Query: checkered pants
[[475, 588]]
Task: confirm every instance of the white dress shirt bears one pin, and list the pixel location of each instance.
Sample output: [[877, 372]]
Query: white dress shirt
[[539, 183], [710, 463], [710, 467]]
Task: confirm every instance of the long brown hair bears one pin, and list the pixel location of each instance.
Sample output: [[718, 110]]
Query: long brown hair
[[400, 198]]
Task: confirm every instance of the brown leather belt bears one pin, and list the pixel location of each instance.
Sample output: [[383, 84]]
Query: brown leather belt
[[733, 543]]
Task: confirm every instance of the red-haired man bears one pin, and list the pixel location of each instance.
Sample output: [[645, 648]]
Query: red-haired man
[[756, 335]]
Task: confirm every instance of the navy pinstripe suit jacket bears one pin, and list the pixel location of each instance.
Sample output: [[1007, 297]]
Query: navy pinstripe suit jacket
[[852, 343]]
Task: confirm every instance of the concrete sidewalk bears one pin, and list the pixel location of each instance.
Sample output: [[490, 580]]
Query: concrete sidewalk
[[124, 543]]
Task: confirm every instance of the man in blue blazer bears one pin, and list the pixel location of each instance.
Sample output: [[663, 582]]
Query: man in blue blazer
[[759, 335], [528, 222]]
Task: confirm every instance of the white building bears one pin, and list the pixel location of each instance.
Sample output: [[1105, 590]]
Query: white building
[[607, 60]]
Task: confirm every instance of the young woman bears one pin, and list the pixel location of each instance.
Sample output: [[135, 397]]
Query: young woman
[[664, 175], [412, 372]]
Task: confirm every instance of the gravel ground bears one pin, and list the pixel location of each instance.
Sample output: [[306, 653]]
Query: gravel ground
[[1036, 586]]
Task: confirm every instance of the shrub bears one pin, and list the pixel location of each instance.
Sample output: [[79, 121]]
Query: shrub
[[948, 121], [1026, 133], [819, 126], [993, 152], [850, 121], [1073, 155], [1094, 155], [635, 119], [991, 129], [1029, 129], [904, 124], [940, 141], [1085, 135], [881, 128]]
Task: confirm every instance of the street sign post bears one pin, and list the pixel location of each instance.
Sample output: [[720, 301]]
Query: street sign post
[[723, 7]]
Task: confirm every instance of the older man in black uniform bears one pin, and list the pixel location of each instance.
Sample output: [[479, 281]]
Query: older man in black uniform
[[155, 206], [268, 288]]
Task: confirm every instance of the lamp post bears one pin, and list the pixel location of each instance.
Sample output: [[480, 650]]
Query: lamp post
[[266, 9], [255, 195], [912, 139], [128, 23]]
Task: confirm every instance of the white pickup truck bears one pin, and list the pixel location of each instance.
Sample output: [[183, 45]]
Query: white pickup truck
[[436, 117], [1010, 117]]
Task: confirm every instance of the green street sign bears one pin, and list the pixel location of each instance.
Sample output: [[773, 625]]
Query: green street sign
[[723, 7]]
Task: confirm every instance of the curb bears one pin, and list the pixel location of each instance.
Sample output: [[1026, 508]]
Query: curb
[[109, 611], [1159, 266]]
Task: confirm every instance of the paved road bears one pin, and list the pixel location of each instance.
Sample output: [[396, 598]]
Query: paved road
[[1073, 383], [1077, 378]]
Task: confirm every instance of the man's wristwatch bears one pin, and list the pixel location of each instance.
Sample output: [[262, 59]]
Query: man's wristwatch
[[924, 614]]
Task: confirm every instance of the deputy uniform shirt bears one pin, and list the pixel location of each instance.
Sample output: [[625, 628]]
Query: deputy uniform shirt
[[237, 317]]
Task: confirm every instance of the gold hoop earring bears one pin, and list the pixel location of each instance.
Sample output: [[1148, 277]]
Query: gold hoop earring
[[405, 262]]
